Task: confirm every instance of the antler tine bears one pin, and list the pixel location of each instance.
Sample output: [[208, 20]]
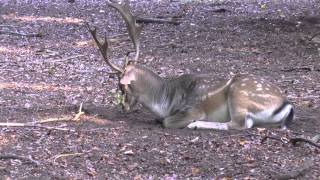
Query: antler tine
[[103, 47], [134, 29]]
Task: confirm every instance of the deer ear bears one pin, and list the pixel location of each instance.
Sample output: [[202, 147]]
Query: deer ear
[[127, 78]]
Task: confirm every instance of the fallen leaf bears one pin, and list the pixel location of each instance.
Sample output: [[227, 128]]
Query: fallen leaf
[[195, 171], [242, 142], [137, 177]]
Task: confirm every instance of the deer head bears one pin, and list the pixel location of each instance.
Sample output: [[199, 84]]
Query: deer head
[[126, 74]]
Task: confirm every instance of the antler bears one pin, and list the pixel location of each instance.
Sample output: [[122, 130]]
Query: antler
[[103, 47], [134, 29]]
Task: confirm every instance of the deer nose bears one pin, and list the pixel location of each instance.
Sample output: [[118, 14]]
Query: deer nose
[[126, 107]]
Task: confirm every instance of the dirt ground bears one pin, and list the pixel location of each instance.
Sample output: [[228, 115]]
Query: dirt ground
[[52, 66]]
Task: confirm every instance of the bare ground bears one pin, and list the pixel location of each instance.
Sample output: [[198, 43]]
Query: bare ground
[[49, 76]]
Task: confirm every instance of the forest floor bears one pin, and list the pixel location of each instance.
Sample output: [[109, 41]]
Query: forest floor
[[49, 65]]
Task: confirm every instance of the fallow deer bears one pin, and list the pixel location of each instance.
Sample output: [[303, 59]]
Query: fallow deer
[[197, 101]]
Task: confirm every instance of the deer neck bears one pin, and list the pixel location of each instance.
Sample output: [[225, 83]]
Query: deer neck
[[161, 96]]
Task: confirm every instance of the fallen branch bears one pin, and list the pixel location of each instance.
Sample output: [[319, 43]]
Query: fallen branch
[[21, 34], [295, 140], [147, 20], [22, 158], [65, 118], [36, 123], [65, 155], [68, 58]]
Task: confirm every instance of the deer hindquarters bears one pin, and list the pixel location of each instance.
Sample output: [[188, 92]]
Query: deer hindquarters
[[285, 113], [282, 116]]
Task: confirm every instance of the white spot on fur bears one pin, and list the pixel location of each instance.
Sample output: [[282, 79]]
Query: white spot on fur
[[267, 89], [244, 93], [259, 85], [255, 82], [243, 84], [264, 95], [259, 89], [159, 109]]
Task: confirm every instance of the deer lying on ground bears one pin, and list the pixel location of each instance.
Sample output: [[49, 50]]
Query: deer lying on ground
[[196, 101]]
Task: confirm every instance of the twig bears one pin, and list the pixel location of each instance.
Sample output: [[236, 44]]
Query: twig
[[32, 125], [295, 140], [65, 155], [117, 36], [218, 10], [157, 20], [315, 35], [68, 58], [21, 34], [46, 52], [271, 137], [22, 158], [316, 138], [298, 68], [80, 112], [12, 124], [10, 26], [36, 124]]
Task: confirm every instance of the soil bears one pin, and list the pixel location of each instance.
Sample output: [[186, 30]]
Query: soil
[[52, 66]]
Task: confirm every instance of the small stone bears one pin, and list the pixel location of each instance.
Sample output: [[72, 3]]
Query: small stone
[[129, 152], [195, 139], [27, 105]]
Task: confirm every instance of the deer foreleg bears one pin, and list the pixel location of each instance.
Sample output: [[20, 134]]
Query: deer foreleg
[[183, 118]]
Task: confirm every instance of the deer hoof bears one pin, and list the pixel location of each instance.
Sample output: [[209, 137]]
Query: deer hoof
[[193, 125]]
